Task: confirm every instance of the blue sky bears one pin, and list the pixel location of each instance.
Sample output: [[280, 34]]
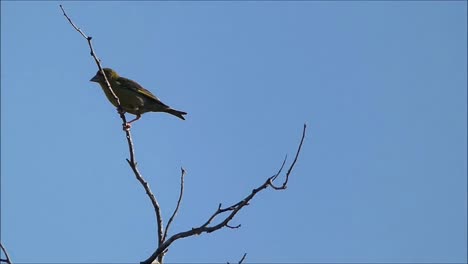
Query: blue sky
[[381, 85]]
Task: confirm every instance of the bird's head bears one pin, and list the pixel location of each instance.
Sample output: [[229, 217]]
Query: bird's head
[[110, 74]]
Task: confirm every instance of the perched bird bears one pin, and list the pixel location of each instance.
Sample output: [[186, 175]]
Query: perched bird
[[133, 98]]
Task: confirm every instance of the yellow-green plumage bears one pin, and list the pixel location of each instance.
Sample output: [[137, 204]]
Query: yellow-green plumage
[[133, 98]]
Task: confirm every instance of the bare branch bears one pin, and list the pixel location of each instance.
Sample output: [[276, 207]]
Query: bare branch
[[233, 209], [233, 227], [73, 24], [154, 201], [292, 164], [181, 193], [93, 54], [242, 259], [132, 162], [273, 178], [7, 260]]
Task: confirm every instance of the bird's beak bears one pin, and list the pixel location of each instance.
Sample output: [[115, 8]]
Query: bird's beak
[[94, 79]]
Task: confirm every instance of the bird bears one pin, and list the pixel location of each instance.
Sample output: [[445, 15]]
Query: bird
[[134, 99]]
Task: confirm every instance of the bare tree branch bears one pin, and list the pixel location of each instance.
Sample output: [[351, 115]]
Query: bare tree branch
[[292, 164], [132, 162], [181, 193], [8, 259], [93, 54], [233, 209], [233, 227], [241, 260], [154, 201]]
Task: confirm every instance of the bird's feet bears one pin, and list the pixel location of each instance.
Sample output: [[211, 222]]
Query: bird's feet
[[126, 127]]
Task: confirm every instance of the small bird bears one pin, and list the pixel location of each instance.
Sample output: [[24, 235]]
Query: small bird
[[133, 98]]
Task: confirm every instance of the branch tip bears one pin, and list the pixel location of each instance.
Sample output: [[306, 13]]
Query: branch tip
[[233, 227], [242, 259]]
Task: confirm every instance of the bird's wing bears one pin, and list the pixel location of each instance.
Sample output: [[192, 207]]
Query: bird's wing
[[127, 83]]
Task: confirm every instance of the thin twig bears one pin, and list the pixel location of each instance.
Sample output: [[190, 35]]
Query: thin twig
[[93, 54], [8, 259], [233, 227], [293, 163], [273, 178], [132, 161], [242, 259], [154, 201], [233, 209], [181, 193]]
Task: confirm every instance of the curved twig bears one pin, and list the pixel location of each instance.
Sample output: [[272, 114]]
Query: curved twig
[[241, 260], [292, 164], [8, 259], [181, 193]]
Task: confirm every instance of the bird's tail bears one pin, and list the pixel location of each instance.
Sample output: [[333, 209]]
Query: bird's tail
[[179, 114]]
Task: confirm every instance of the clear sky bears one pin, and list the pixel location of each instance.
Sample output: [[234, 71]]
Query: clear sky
[[381, 85]]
